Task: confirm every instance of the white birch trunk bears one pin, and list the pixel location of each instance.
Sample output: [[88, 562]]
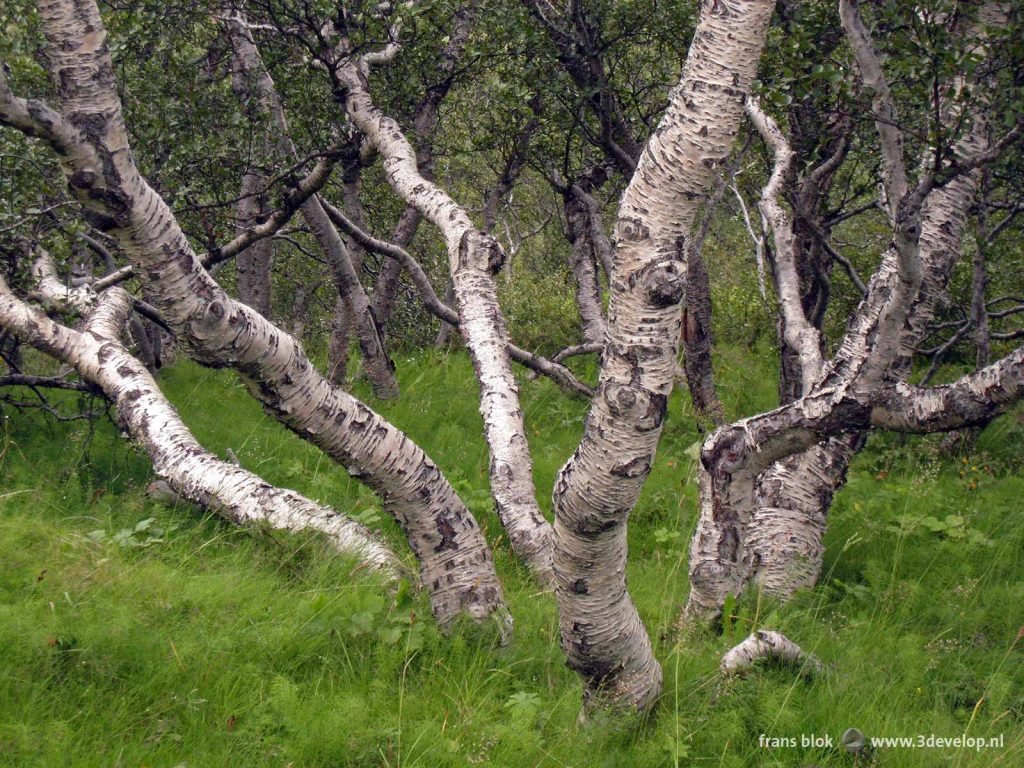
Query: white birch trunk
[[602, 634], [474, 258], [773, 531]]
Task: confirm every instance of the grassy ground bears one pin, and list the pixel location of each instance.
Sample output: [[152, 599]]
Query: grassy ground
[[133, 634]]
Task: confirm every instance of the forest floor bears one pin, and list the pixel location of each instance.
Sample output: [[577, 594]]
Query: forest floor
[[137, 634]]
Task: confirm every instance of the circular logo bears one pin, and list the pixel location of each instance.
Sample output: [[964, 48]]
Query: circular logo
[[852, 740]]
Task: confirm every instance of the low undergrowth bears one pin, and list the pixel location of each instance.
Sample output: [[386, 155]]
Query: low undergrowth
[[136, 634]]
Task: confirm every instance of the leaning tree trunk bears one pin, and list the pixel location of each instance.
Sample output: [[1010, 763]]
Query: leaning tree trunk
[[474, 259], [424, 125], [191, 471], [90, 138], [601, 631], [792, 498]]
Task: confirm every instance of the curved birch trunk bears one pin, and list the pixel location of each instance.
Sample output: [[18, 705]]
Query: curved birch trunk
[[793, 497], [601, 631], [474, 259], [89, 135], [191, 471], [791, 505], [424, 126]]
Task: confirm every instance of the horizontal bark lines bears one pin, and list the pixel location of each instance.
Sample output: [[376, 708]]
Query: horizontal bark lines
[[601, 631]]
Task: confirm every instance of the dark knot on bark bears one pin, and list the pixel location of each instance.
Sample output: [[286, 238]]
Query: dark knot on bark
[[481, 251], [83, 179], [645, 410], [632, 229], [725, 452], [211, 322], [666, 284]]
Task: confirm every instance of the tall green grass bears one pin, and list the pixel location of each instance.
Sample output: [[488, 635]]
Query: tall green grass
[[190, 642]]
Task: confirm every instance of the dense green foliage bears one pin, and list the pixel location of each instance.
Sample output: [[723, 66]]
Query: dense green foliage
[[184, 641]]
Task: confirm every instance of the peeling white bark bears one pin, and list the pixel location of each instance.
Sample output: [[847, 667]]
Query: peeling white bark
[[194, 473], [89, 133], [970, 401], [602, 634], [793, 497], [772, 535], [424, 125], [474, 258], [784, 548]]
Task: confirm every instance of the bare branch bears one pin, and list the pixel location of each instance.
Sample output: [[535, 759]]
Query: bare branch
[[890, 136], [560, 374], [802, 337], [45, 382], [971, 400], [36, 118], [757, 238]]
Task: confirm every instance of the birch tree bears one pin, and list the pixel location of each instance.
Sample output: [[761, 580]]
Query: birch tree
[[763, 479], [607, 118], [765, 522], [794, 496], [602, 634], [474, 259]]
